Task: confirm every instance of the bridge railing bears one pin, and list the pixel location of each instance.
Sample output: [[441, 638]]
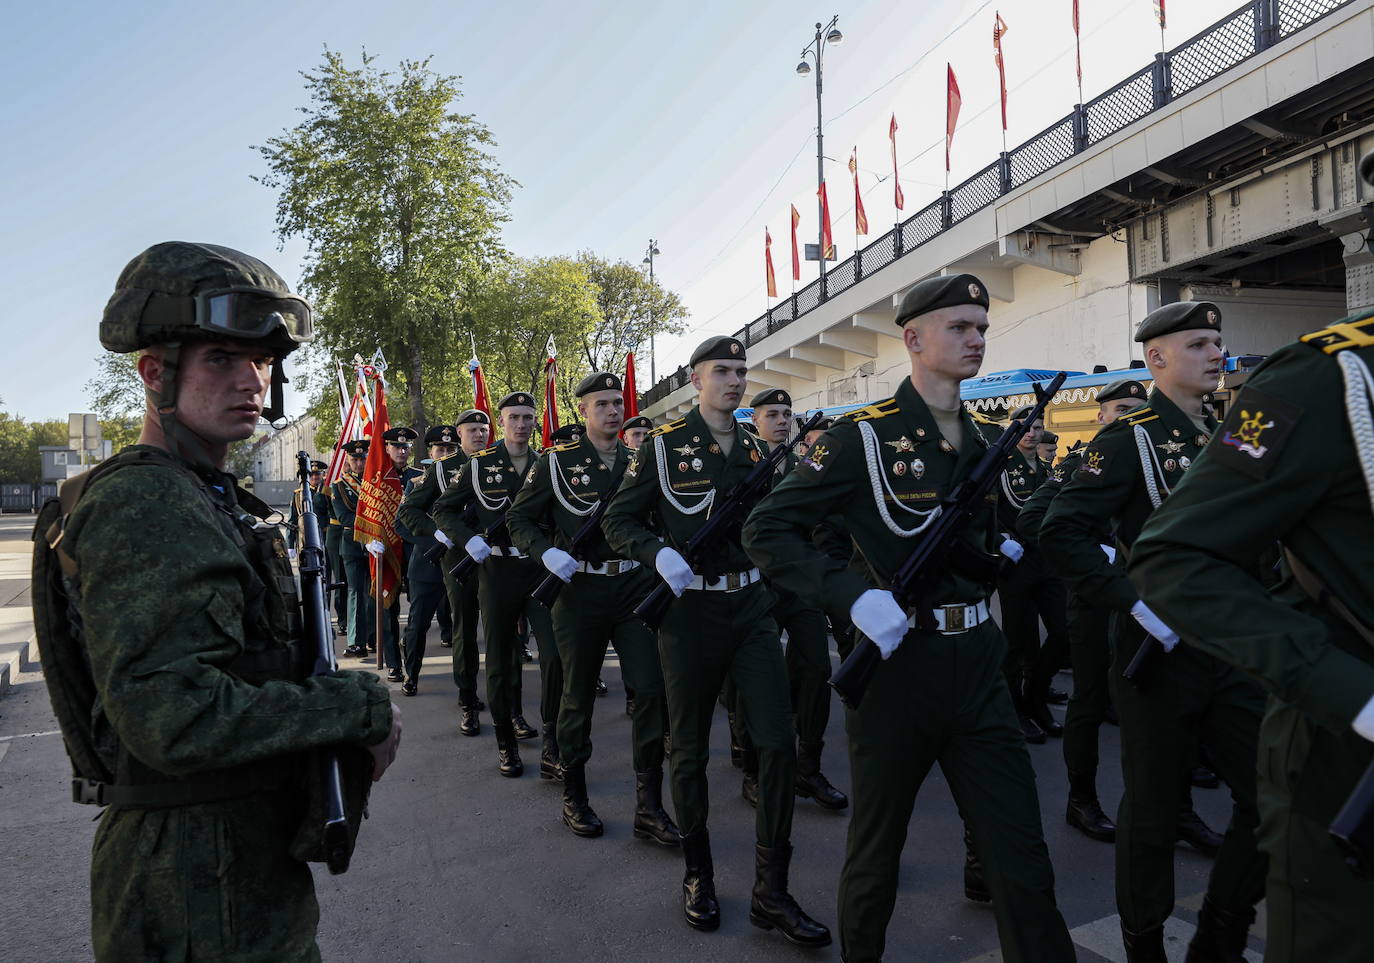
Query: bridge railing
[[1238, 36]]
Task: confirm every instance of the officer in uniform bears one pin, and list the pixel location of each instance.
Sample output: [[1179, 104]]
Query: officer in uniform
[[399, 441], [1089, 655], [597, 607], [489, 482], [1179, 694], [191, 625], [1048, 449], [719, 626], [333, 547], [426, 578], [319, 501], [1291, 462], [636, 430], [362, 626], [940, 696], [472, 427]]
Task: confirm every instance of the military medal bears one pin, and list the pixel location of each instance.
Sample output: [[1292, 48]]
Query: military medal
[[920, 432], [586, 479], [714, 449], [899, 468], [696, 464], [1170, 464], [1185, 461], [682, 466], [1170, 447], [902, 444], [1201, 441], [575, 480], [918, 468], [686, 450]]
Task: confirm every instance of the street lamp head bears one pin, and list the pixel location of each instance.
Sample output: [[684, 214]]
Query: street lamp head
[[834, 37], [803, 69], [645, 261]]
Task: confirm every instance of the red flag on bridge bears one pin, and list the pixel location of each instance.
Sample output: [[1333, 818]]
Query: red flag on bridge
[[768, 276], [898, 201], [796, 258], [999, 30], [827, 242], [952, 104], [628, 388], [860, 218]]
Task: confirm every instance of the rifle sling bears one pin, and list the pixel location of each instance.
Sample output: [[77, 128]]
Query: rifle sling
[[1311, 584]]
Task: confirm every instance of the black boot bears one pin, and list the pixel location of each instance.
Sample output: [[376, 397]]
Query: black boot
[[1085, 812], [1220, 936], [470, 725], [975, 887], [522, 729], [749, 786], [1193, 831], [1033, 733], [1038, 709], [601, 689], [699, 883], [578, 814], [811, 782], [773, 906], [651, 819], [736, 750], [509, 750], [549, 765], [1147, 946]]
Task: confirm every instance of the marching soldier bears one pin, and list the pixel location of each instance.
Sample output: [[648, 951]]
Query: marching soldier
[[319, 501], [489, 481], [362, 627], [1048, 449], [597, 607], [426, 579], [1291, 462], [1089, 655], [398, 442], [940, 696], [472, 427], [636, 430], [1179, 694], [719, 626]]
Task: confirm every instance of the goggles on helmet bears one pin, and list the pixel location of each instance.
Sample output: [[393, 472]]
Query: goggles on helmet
[[254, 313]]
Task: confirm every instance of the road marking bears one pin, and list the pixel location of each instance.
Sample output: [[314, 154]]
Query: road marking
[[30, 735]]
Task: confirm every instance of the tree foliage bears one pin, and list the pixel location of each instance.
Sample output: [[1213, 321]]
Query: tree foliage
[[632, 308], [117, 398], [20, 461]]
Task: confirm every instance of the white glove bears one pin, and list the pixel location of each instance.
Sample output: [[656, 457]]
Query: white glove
[[674, 569], [291, 554], [375, 548], [478, 548], [560, 563], [1154, 625], [1012, 549], [877, 615], [439, 534], [1364, 722], [1110, 552]]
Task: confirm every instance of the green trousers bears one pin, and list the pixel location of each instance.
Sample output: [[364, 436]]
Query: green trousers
[[943, 699], [1090, 657], [589, 612], [362, 612], [503, 592], [1180, 698], [706, 638], [333, 536], [208, 882], [462, 602]]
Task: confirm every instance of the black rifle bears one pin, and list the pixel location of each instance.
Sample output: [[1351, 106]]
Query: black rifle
[[940, 547], [435, 553], [723, 516], [320, 638], [467, 565], [547, 591], [1353, 828]]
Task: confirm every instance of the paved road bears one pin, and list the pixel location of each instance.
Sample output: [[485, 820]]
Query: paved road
[[458, 863]]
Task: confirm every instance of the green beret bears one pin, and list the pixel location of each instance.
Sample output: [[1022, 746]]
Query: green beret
[[597, 381], [318, 466], [473, 416], [515, 399], [1179, 316], [942, 292], [357, 448], [400, 436], [1123, 389], [638, 421], [1049, 438], [1022, 412], [442, 435], [720, 348], [569, 432], [771, 396]]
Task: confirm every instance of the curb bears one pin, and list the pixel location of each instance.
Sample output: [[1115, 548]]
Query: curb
[[24, 659]]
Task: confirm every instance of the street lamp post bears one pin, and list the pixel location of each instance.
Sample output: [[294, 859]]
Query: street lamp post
[[649, 260], [827, 34]]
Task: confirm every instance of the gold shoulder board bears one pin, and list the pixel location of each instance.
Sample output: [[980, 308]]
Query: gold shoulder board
[[1342, 335], [880, 410], [1140, 416], [670, 426]]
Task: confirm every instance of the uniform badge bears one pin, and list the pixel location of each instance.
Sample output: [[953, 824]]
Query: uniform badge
[[974, 291], [1170, 464], [946, 447], [815, 458], [734, 347], [918, 468], [1201, 440], [902, 444], [1092, 468], [686, 451], [575, 480], [696, 464], [899, 469], [682, 466], [753, 454], [920, 432], [714, 449], [610, 381], [1170, 447], [1186, 462]]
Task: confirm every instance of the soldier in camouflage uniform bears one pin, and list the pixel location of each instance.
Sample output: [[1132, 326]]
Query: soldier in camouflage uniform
[[190, 621]]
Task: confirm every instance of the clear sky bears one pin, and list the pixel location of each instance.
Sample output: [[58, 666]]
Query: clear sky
[[128, 124]]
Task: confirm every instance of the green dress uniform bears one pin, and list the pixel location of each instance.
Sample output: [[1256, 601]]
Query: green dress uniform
[[333, 551], [490, 482], [319, 501], [1178, 697], [414, 514], [941, 697], [362, 623], [597, 606], [1286, 465], [426, 590]]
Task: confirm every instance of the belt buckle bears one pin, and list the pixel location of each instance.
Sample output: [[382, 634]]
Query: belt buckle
[[732, 581], [954, 617]]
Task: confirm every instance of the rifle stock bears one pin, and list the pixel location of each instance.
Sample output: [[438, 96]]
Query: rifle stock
[[546, 593], [939, 547]]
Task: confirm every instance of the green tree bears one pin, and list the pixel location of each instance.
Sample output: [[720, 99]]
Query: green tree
[[117, 398], [400, 204], [20, 460], [631, 307]]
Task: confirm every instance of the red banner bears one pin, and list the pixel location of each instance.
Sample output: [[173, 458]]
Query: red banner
[[827, 242], [628, 392], [999, 30], [550, 394], [379, 498], [952, 104], [860, 218], [349, 430], [480, 401], [769, 278], [1077, 53], [1159, 13], [796, 257], [898, 201]]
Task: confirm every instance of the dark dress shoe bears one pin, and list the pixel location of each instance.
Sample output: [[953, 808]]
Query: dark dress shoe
[[578, 814], [509, 752], [1055, 697], [651, 819], [699, 903], [1193, 831], [1045, 719], [470, 725], [772, 906], [525, 654], [1086, 816], [1033, 733], [446, 643], [630, 706], [523, 730], [394, 675], [975, 886], [811, 782], [1204, 778], [1220, 936], [601, 689], [1147, 946], [550, 767], [408, 688]]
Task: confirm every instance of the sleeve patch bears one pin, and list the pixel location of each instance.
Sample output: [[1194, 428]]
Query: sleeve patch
[[1252, 438], [815, 465], [1092, 470]]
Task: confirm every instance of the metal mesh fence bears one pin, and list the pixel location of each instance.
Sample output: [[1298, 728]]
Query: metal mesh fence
[[808, 297], [879, 254], [976, 193], [1296, 14], [1124, 104], [1041, 152], [922, 226], [1218, 48], [839, 277]]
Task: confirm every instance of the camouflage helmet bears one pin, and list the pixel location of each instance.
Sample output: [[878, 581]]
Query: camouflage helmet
[[179, 290]]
